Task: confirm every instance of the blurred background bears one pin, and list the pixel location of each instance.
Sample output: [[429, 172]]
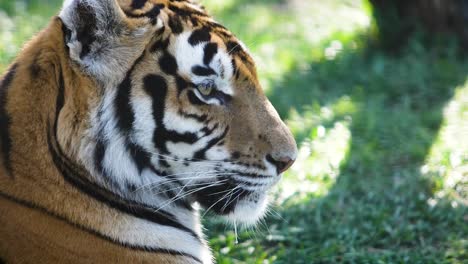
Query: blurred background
[[376, 94]]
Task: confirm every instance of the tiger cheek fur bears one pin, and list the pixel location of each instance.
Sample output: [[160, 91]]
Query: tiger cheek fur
[[121, 119]]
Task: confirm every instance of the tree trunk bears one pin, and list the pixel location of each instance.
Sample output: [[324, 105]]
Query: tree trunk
[[396, 19]]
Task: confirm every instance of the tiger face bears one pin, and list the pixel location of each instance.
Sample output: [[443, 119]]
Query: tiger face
[[177, 115]]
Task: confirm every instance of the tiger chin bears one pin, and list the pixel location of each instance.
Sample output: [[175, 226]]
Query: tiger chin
[[119, 122]]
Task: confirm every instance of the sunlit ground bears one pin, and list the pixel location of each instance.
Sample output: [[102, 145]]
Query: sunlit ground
[[447, 162], [382, 174]]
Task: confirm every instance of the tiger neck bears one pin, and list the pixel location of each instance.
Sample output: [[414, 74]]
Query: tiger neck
[[159, 222]]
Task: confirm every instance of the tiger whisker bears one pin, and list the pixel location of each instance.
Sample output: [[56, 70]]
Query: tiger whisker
[[185, 195], [237, 198], [275, 213], [230, 197], [188, 186], [178, 174], [211, 194], [226, 203], [219, 200], [211, 176]]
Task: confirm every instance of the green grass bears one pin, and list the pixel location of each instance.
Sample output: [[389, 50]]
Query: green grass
[[19, 20], [382, 175]]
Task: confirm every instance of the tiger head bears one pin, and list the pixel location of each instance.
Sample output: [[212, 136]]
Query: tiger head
[[176, 115]]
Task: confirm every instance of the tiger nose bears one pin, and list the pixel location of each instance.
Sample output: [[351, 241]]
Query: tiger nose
[[282, 164]]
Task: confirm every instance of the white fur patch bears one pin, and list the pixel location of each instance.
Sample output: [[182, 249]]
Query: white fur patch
[[173, 121], [144, 122], [249, 210], [143, 233]]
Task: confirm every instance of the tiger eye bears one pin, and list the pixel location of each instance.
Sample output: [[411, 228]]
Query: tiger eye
[[206, 88]]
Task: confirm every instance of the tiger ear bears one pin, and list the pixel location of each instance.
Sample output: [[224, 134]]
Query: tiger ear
[[103, 39]]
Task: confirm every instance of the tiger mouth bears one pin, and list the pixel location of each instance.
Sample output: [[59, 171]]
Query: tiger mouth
[[224, 198], [256, 184]]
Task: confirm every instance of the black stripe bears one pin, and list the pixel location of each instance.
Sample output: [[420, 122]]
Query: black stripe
[[125, 116], [138, 4], [199, 36], [193, 99], [250, 175], [202, 71], [74, 175], [210, 51], [5, 118], [222, 29], [235, 48], [258, 166], [86, 29], [156, 87], [235, 70], [199, 118], [207, 131], [182, 84], [175, 24], [176, 137], [96, 233], [200, 155], [99, 154], [60, 99], [160, 45], [152, 14], [238, 74], [187, 12], [168, 64], [222, 32], [141, 158]]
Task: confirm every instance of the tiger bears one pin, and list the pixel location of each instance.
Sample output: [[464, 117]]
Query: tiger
[[121, 122]]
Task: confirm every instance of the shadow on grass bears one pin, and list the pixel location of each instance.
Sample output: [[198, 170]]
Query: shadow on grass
[[377, 209]]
